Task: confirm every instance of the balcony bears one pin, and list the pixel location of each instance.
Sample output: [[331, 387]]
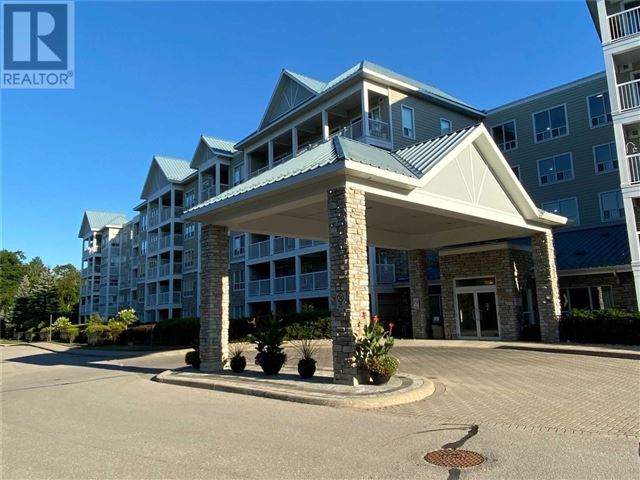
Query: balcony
[[152, 272], [259, 288], [153, 246], [624, 24], [314, 281], [260, 249], [385, 274], [257, 172], [634, 168], [303, 243], [165, 241], [378, 131], [283, 244], [207, 192], [629, 95], [284, 284], [151, 300]]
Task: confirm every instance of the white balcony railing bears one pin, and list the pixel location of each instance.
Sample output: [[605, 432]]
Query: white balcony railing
[[164, 270], [151, 299], [207, 192], [163, 298], [377, 129], [629, 95], [624, 24], [284, 284], [165, 241], [257, 172], [259, 288], [385, 273], [260, 249], [152, 272], [634, 168], [314, 281], [283, 244]]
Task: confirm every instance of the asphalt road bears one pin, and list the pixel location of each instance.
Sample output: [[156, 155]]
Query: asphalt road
[[76, 416]]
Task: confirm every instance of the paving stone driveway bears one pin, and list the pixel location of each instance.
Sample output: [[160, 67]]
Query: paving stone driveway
[[525, 390]]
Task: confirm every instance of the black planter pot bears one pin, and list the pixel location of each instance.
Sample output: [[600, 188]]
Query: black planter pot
[[238, 364], [306, 367], [271, 363], [378, 379], [363, 376]]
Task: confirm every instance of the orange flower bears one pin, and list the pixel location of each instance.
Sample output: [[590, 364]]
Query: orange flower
[[391, 325]]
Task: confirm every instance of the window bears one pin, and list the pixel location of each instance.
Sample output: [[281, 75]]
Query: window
[[143, 221], [190, 199], [611, 206], [555, 169], [589, 298], [143, 247], [505, 135], [599, 109], [190, 230], [188, 287], [605, 157], [237, 174], [516, 170], [550, 123], [189, 260], [445, 126], [408, 124], [237, 311], [238, 245], [238, 280], [567, 207]]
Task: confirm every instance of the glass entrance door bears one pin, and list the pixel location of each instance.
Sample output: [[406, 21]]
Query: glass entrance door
[[477, 312]]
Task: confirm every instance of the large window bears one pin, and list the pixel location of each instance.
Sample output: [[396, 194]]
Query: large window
[[190, 199], [190, 230], [237, 174], [189, 259], [550, 123], [605, 158], [505, 135], [599, 109], [567, 207], [237, 311], [445, 126], [555, 169], [238, 245], [611, 206], [408, 122], [586, 298], [238, 280], [188, 287]]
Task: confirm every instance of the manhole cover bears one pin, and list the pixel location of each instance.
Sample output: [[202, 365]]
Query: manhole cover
[[454, 458]]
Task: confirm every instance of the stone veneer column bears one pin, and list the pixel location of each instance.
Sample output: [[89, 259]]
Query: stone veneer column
[[547, 290], [349, 281], [419, 290], [214, 298]]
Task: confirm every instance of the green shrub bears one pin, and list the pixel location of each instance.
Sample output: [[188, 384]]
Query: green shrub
[[315, 325], [61, 323], [94, 319], [177, 332], [613, 326], [127, 316], [116, 327], [69, 334], [383, 365]]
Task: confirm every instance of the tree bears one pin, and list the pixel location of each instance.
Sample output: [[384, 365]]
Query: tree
[[12, 270], [21, 305], [43, 299], [67, 284]]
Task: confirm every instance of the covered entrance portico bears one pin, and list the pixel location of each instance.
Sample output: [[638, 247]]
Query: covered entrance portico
[[452, 190]]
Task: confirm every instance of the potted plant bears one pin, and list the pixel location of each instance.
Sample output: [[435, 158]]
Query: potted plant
[[45, 334], [375, 342], [237, 361], [382, 368], [193, 358], [268, 337], [307, 364]]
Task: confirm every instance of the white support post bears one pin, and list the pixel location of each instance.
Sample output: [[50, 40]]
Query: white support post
[[634, 246], [603, 22], [294, 142], [325, 125], [365, 110], [217, 179], [298, 271], [270, 153]]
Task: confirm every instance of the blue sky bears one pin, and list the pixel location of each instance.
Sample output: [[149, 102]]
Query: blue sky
[[152, 76]]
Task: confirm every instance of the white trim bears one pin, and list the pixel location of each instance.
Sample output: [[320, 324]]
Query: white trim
[[610, 220], [533, 122], [573, 172], [515, 131], [575, 199], [485, 247], [591, 125], [595, 160], [413, 121]]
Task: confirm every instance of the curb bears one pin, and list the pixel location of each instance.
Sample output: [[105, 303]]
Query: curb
[[101, 353], [413, 389]]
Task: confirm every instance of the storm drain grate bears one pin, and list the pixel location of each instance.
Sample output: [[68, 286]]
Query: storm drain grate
[[454, 458]]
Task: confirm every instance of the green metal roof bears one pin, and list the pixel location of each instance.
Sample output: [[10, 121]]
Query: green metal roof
[[220, 144], [312, 84], [97, 220], [175, 169]]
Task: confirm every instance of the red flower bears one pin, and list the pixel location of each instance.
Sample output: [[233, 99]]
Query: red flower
[[391, 325], [376, 319], [364, 314]]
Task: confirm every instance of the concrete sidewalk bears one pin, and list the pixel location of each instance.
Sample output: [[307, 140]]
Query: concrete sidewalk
[[319, 390]]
